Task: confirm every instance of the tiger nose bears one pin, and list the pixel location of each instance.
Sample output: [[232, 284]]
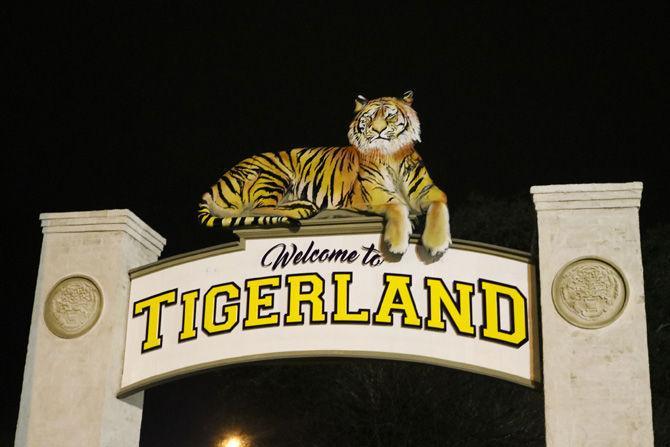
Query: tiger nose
[[379, 124]]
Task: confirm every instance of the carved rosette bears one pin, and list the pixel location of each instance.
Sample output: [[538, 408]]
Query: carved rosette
[[72, 307], [589, 293]]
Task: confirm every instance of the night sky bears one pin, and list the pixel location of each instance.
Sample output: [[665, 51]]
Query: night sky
[[143, 107]]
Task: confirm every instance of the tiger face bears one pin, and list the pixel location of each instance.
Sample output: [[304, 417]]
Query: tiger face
[[384, 125]]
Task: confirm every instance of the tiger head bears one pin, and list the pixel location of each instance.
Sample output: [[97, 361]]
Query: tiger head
[[384, 125]]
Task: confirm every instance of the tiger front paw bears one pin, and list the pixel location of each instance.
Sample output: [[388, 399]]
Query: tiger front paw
[[436, 236], [397, 246], [396, 235]]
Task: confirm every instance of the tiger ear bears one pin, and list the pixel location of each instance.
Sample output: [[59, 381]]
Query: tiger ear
[[408, 97], [359, 103]]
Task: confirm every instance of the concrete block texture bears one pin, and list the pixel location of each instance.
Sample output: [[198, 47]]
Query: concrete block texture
[[596, 380], [70, 384]]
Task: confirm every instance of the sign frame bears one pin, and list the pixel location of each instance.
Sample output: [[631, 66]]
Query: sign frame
[[338, 224]]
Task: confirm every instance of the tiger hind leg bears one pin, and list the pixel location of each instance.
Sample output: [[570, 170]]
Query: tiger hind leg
[[215, 209], [211, 214], [293, 209]]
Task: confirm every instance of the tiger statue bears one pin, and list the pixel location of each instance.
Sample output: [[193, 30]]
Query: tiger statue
[[380, 173]]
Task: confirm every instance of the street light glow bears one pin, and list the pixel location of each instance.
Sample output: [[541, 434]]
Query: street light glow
[[232, 441]]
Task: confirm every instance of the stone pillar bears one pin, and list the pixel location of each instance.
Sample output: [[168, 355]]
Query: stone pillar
[[594, 332], [77, 334]]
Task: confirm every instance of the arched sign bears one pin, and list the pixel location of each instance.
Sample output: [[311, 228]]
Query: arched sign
[[109, 321], [328, 290]]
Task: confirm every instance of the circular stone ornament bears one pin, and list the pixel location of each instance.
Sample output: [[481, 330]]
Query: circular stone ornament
[[589, 292], [72, 307]]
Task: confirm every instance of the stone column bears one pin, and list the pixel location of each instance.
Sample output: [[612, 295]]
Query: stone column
[[594, 332], [77, 334]]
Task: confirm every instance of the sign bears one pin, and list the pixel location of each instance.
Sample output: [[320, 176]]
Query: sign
[[278, 294]]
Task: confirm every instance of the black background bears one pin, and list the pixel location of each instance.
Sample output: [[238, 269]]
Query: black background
[[144, 106]]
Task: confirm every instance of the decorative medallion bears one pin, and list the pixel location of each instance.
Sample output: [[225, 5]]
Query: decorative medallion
[[73, 307], [589, 293]]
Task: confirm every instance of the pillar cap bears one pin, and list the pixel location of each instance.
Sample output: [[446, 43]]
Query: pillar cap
[[101, 221], [587, 196]]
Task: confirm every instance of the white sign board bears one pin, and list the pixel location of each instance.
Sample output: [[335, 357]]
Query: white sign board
[[332, 295]]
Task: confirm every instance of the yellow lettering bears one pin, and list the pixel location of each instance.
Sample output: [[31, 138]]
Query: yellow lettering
[[152, 306], [397, 298], [440, 302], [297, 296], [257, 302], [342, 314], [188, 330], [209, 324], [493, 292]]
